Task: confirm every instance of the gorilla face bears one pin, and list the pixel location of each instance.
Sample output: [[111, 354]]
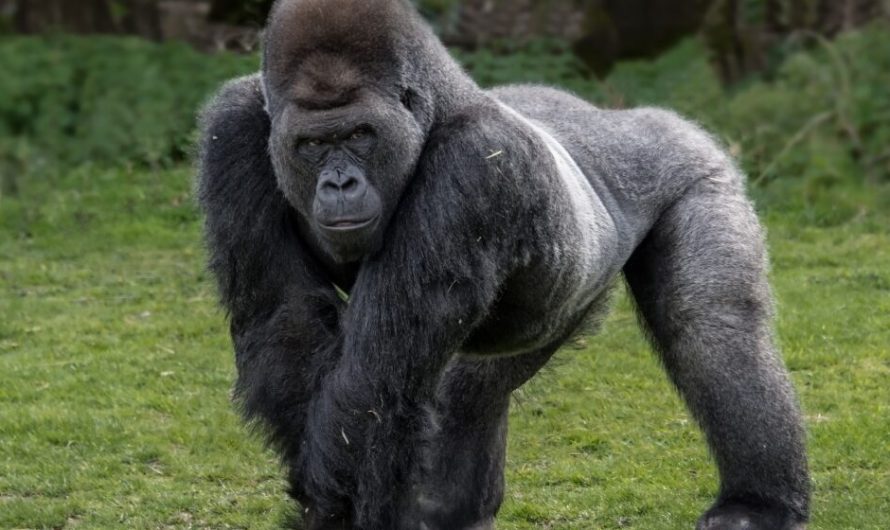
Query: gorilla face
[[344, 146]]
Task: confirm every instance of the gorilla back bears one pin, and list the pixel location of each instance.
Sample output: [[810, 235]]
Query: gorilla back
[[475, 231]]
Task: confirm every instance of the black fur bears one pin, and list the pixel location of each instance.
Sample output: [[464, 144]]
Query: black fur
[[364, 158]]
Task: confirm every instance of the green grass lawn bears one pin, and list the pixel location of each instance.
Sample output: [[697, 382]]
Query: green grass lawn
[[115, 370]]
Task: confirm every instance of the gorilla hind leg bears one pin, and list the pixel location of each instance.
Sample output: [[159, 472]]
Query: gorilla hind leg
[[699, 281]]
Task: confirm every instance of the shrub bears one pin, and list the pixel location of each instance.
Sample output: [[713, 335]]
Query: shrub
[[104, 100], [823, 115], [543, 61]]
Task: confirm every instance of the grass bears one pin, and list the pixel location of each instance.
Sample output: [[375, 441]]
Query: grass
[[115, 369]]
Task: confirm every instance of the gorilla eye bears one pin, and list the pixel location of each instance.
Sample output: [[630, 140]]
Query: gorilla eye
[[361, 136], [310, 143], [310, 147]]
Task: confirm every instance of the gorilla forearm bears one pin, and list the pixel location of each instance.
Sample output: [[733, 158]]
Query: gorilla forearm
[[281, 361], [365, 422], [284, 312]]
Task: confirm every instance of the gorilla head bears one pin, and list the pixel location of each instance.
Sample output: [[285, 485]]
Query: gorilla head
[[347, 123]]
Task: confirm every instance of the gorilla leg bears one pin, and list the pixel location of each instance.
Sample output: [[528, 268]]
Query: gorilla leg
[[461, 483], [699, 280]]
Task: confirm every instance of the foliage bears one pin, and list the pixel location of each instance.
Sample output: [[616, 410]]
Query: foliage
[[5, 23], [823, 115], [546, 61], [103, 100], [436, 7]]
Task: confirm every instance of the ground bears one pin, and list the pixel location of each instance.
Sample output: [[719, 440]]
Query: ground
[[115, 371]]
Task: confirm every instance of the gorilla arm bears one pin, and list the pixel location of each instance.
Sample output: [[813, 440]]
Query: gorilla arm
[[283, 311], [413, 305]]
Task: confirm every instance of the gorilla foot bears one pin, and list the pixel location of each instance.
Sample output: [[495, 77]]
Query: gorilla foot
[[741, 517], [487, 524]]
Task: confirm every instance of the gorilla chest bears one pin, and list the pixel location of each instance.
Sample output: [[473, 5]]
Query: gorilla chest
[[565, 270], [531, 314]]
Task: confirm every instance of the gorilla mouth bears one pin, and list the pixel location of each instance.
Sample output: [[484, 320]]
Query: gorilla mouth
[[348, 225]]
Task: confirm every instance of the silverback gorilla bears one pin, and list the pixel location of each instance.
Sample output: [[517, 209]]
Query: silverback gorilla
[[475, 231]]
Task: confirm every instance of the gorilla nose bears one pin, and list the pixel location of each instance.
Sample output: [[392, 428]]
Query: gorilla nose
[[336, 185]]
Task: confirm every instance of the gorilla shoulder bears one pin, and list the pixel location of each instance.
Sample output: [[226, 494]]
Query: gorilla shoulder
[[243, 96]]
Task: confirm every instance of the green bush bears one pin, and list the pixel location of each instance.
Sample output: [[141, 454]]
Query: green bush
[[104, 100], [543, 61], [823, 116]]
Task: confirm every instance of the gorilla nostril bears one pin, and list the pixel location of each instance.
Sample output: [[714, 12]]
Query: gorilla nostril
[[350, 184], [328, 188]]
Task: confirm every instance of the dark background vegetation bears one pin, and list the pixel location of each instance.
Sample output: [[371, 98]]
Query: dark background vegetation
[[114, 358], [783, 81]]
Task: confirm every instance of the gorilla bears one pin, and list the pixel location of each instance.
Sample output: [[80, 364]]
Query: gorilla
[[474, 232]]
